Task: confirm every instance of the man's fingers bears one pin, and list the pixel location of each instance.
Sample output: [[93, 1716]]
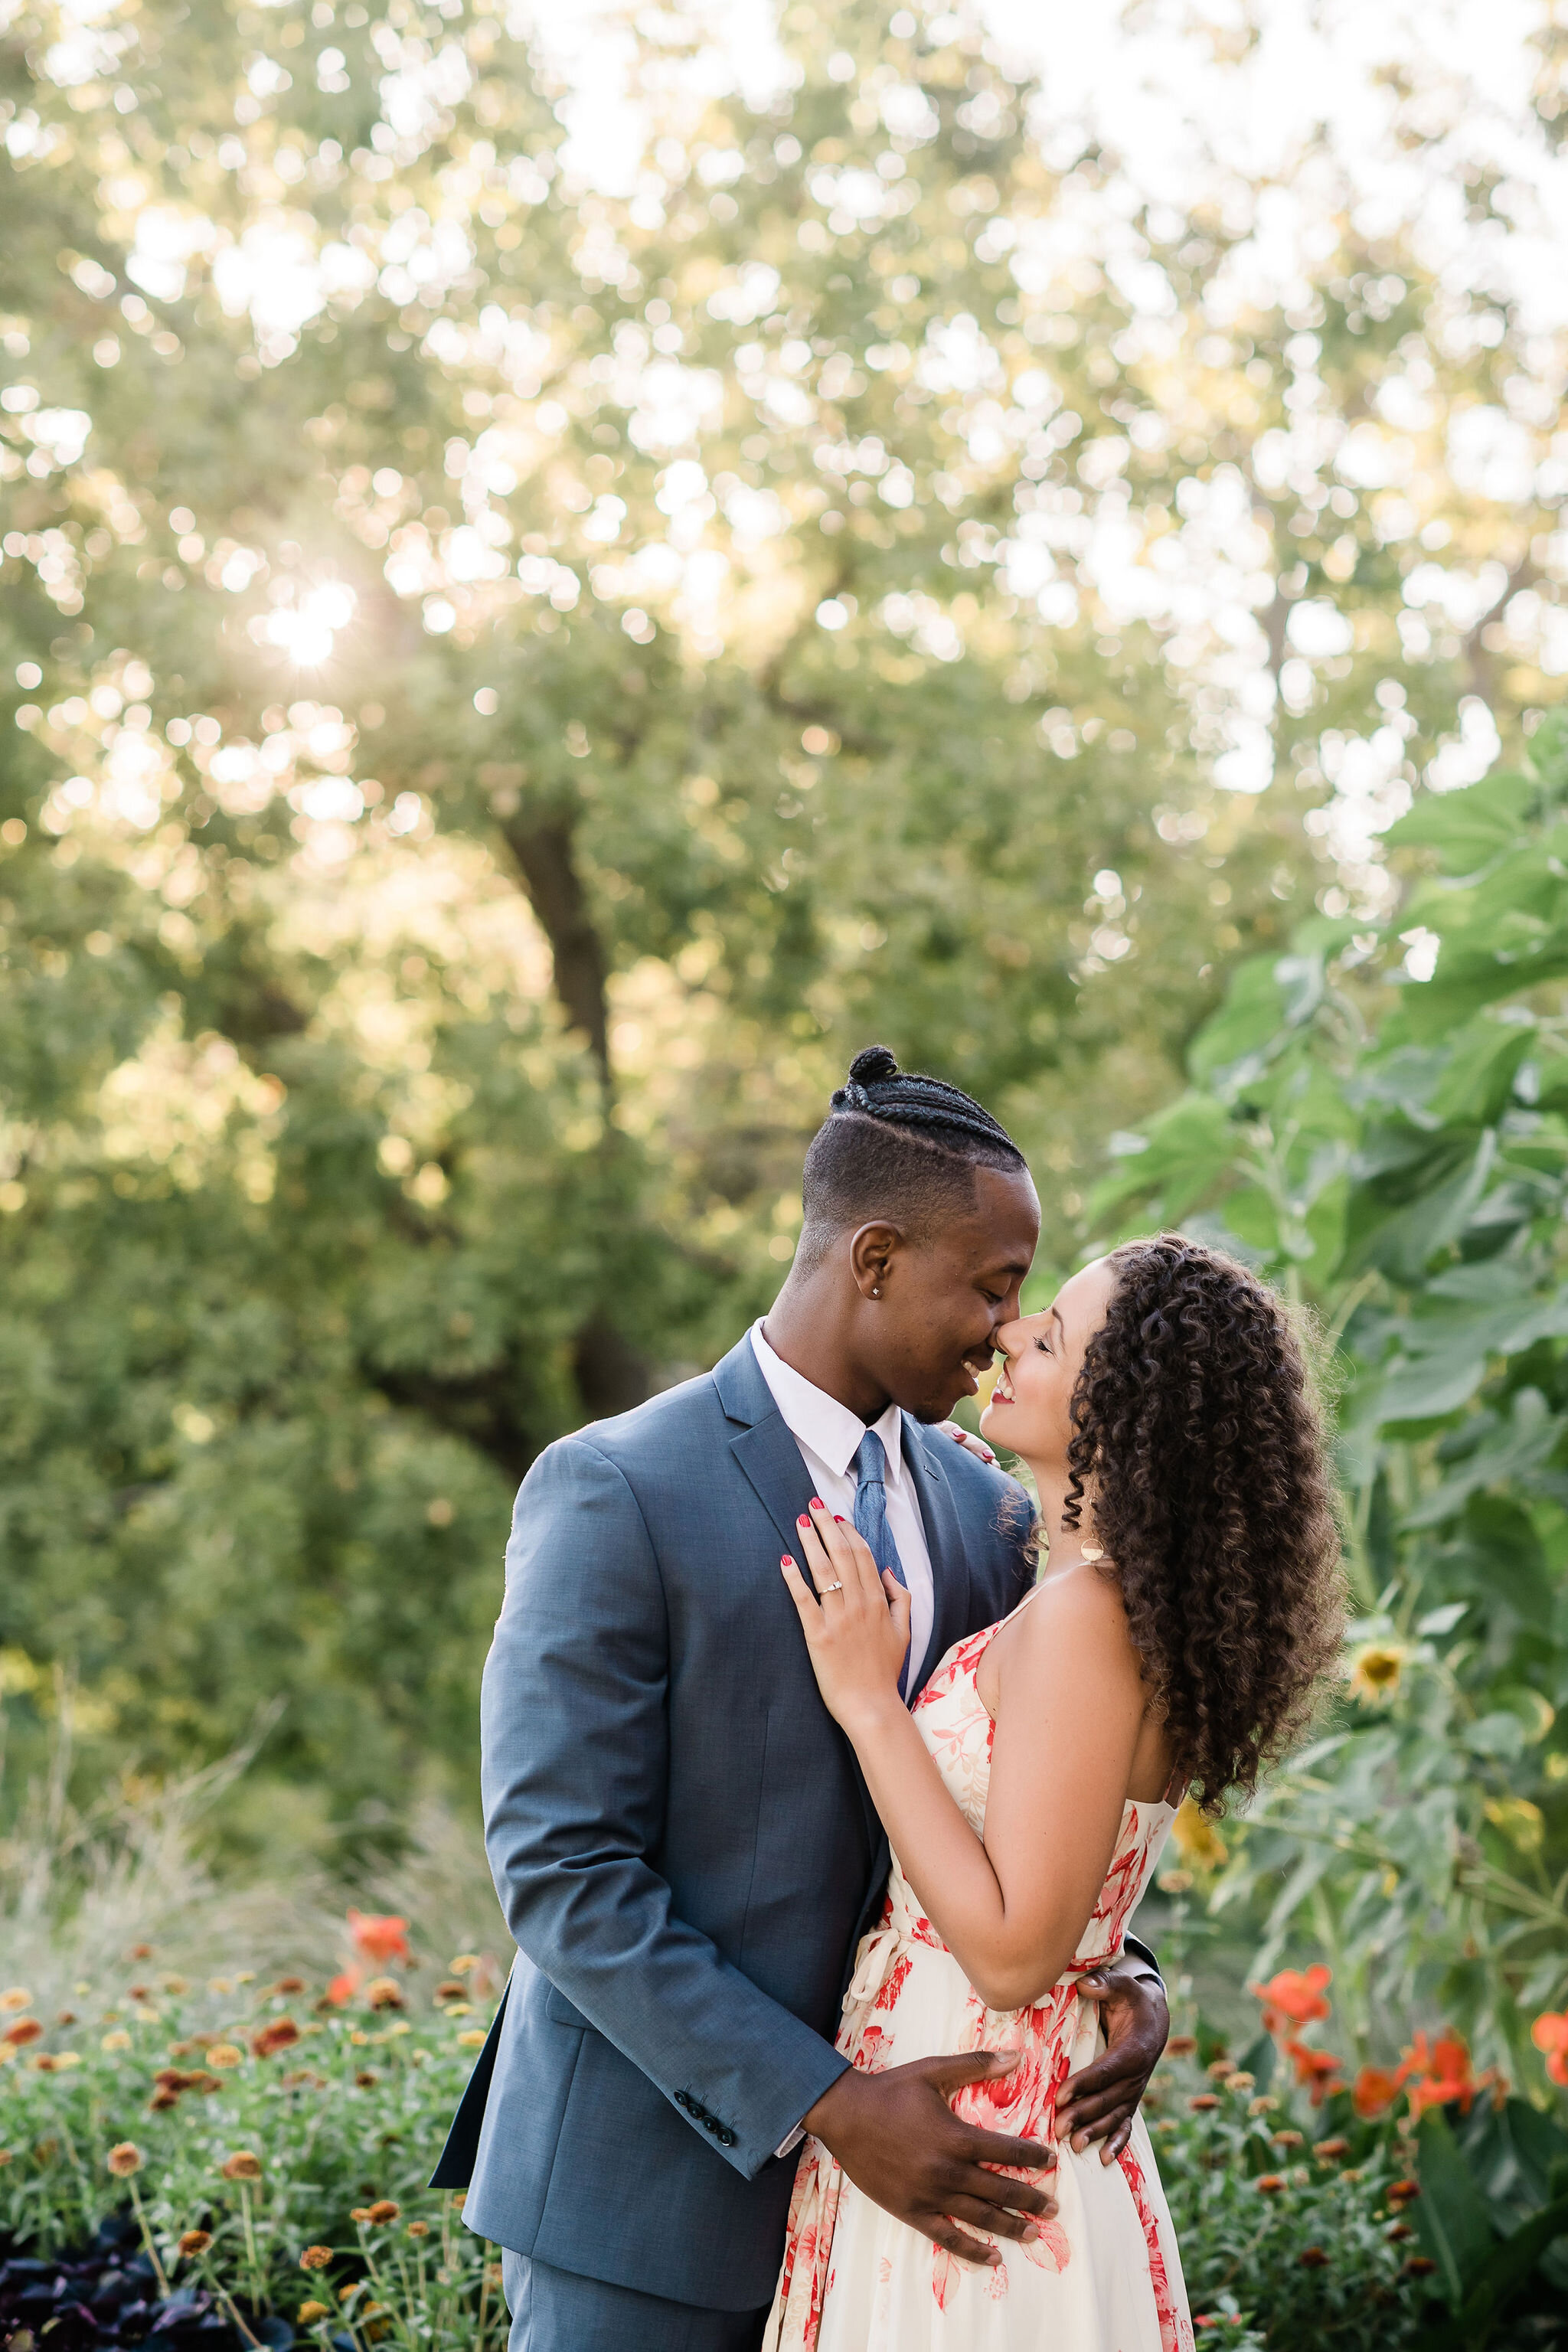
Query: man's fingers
[[1117, 2142], [1000, 2192], [967, 2249], [1097, 2114], [997, 2219], [986, 2148], [960, 2067]]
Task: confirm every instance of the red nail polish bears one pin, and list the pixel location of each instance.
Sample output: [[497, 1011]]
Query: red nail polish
[[818, 1504], [803, 1521], [786, 1561], [839, 1520]]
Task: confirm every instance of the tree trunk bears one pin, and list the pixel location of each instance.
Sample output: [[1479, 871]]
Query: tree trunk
[[542, 847]]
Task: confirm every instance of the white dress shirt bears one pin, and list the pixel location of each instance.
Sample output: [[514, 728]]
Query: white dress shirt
[[828, 1435]]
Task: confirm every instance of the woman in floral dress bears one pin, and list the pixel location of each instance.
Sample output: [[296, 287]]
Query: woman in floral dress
[[1162, 1399]]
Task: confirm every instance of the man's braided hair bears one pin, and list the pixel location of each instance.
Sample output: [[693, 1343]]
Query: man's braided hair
[[1195, 1419], [899, 1144]]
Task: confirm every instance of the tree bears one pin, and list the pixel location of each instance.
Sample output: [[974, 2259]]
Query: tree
[[514, 684]]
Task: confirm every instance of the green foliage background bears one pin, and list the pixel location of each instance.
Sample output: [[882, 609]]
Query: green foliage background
[[507, 684]]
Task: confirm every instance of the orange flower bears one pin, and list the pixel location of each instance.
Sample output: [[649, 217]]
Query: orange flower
[[1549, 2035], [343, 1987], [1320, 2068], [26, 2030], [195, 2242], [1376, 2090], [124, 2160], [241, 2166], [1327, 2151], [1293, 1996], [315, 2258], [385, 1992], [1442, 2073], [274, 2037], [311, 2311], [380, 1936], [1270, 2184], [384, 2209]]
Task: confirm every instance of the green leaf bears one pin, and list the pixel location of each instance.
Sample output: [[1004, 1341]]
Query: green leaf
[[1499, 2277], [1424, 1389], [1479, 1079], [1508, 1449], [1466, 828], [1469, 977], [1187, 1148], [1454, 2222]]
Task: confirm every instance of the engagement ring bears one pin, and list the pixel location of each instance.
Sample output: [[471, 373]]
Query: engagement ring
[[833, 1588]]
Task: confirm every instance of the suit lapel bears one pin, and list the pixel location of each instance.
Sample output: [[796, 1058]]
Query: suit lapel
[[773, 1462], [776, 1468], [951, 1600]]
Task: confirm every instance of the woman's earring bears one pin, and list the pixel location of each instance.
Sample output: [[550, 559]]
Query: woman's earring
[[877, 1290]]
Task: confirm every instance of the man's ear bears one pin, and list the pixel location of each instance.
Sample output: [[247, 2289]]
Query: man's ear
[[871, 1256]]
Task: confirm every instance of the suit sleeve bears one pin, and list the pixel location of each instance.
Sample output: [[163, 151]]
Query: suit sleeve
[[574, 1778]]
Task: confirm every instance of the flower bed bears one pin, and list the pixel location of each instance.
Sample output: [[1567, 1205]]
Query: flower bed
[[269, 2149], [243, 2163]]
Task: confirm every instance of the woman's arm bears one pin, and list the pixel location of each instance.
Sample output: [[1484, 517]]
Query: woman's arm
[[1011, 1910]]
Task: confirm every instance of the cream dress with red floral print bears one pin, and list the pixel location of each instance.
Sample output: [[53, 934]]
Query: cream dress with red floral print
[[1104, 2275]]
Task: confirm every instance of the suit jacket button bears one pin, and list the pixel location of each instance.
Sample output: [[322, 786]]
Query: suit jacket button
[[726, 2137]]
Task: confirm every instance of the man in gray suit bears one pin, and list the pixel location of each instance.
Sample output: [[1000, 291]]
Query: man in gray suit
[[682, 1843]]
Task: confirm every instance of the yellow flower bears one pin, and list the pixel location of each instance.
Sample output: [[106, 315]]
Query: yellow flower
[[16, 1999], [474, 2038], [125, 2160], [311, 2311], [118, 2040], [1375, 1670], [224, 2054], [1197, 1840]]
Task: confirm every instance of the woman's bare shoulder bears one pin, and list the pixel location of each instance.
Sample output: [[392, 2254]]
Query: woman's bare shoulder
[[1076, 1617]]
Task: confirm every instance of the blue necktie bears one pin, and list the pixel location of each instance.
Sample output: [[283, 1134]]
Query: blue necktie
[[870, 1468]]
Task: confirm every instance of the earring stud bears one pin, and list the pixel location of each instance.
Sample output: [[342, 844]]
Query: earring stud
[[877, 1290]]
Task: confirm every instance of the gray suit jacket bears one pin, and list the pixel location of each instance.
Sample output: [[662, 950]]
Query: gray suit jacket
[[682, 1842]]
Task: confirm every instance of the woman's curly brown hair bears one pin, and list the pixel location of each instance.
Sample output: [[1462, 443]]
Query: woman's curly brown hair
[[1194, 1417]]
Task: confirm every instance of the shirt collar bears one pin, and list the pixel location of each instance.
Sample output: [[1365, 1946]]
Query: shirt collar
[[819, 1421]]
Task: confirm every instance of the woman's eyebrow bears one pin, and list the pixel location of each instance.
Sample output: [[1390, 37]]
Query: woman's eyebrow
[[1056, 1319]]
